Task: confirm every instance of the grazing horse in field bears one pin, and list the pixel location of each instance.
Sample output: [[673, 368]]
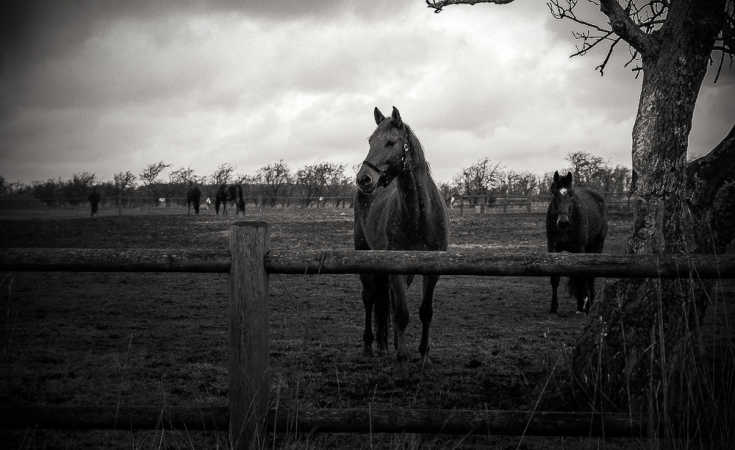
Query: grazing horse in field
[[193, 198], [397, 207], [94, 202], [231, 193], [576, 222]]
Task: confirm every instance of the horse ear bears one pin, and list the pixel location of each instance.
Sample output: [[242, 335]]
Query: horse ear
[[379, 117], [556, 176], [569, 179], [396, 116]]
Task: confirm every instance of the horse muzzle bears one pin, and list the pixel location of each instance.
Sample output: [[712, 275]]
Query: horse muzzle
[[562, 222], [367, 179]]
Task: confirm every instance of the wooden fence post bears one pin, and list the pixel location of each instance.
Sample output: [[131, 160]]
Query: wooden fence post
[[249, 340]]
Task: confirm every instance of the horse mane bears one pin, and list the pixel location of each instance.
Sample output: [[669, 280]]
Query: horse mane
[[418, 160]]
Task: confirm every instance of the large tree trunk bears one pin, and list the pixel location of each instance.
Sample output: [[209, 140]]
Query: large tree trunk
[[640, 351]]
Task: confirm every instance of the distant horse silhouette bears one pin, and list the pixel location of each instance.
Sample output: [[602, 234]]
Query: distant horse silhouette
[[231, 193], [94, 202], [193, 198], [397, 207], [576, 222]]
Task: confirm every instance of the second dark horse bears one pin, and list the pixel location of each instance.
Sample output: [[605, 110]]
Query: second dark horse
[[397, 207], [576, 222], [229, 193], [193, 199]]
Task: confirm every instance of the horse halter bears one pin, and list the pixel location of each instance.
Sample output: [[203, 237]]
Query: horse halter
[[384, 180]]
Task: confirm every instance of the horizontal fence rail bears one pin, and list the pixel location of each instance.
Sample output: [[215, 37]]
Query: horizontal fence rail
[[114, 260], [122, 418], [342, 420], [486, 262]]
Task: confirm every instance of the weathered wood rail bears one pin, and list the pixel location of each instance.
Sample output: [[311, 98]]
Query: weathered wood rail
[[483, 262], [249, 263], [114, 260], [343, 420]]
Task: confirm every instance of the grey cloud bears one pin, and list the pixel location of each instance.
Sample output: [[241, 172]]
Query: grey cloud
[[36, 34], [197, 85]]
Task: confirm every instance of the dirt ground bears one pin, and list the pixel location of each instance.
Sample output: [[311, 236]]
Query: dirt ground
[[159, 339]]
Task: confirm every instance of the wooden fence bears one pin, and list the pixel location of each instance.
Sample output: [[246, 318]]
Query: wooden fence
[[616, 203], [249, 263], [482, 204]]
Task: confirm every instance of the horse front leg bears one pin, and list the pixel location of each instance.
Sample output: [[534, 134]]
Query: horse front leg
[[381, 306], [551, 248], [375, 301], [426, 312], [399, 309], [554, 298], [367, 301]]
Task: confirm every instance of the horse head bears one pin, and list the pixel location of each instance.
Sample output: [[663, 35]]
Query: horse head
[[390, 145], [563, 201]]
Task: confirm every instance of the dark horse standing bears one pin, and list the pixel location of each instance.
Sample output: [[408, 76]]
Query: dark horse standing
[[231, 193], [576, 222], [193, 198], [94, 202], [397, 207]]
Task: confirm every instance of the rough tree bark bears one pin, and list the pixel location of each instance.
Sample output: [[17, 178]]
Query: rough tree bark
[[640, 350], [636, 352]]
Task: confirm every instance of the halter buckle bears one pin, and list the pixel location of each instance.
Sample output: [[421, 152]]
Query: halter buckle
[[404, 156]]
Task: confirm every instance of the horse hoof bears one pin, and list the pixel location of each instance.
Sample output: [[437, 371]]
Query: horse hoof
[[426, 362], [578, 312], [402, 356], [401, 370]]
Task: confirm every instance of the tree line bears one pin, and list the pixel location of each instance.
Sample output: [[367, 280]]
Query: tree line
[[274, 181], [269, 183], [487, 180]]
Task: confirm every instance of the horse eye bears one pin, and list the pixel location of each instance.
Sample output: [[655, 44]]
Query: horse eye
[[389, 144]]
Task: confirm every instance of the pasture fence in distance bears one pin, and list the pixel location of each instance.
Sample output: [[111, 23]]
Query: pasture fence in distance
[[249, 263], [481, 203]]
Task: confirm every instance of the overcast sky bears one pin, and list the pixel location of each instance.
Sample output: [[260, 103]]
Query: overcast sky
[[109, 86]]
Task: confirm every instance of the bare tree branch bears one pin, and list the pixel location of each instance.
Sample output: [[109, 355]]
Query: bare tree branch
[[601, 67], [567, 12], [636, 22], [587, 46], [719, 67], [633, 56], [624, 27], [437, 5]]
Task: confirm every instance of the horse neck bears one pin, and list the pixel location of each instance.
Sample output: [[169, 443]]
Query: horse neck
[[414, 186], [415, 183]]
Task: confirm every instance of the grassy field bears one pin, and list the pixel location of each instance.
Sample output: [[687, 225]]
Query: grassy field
[[159, 339]]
